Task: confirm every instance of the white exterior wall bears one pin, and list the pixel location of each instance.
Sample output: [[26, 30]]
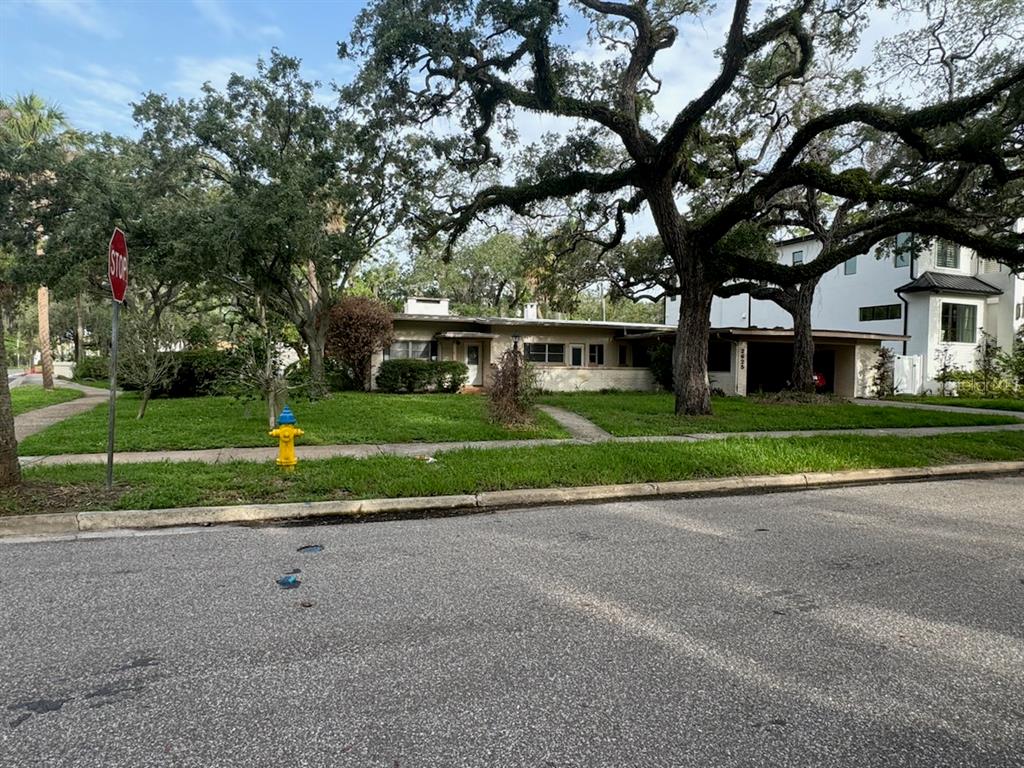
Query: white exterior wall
[[962, 354], [556, 377], [565, 379], [839, 297]]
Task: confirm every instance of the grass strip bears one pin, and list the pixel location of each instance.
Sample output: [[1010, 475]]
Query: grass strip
[[642, 413], [156, 485], [224, 422], [995, 403], [29, 397]]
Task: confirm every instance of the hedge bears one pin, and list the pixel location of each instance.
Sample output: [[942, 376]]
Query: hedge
[[411, 375], [92, 368], [199, 372]]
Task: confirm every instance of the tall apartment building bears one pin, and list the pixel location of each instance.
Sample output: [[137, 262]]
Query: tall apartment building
[[942, 297]]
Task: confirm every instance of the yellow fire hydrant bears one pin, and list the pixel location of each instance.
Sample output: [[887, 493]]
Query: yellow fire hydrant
[[286, 433]]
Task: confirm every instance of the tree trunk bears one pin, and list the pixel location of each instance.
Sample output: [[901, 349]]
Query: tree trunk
[[314, 334], [690, 355], [44, 336], [10, 470], [696, 291], [79, 331], [147, 393], [271, 406], [317, 377], [802, 376]]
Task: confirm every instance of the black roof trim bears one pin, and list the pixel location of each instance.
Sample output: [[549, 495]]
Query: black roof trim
[[940, 282]]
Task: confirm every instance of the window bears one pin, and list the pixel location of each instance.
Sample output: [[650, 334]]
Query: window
[[850, 266], [720, 356], [545, 353], [947, 254], [418, 349], [576, 355], [597, 354], [904, 249], [641, 356], [882, 312], [1020, 312], [798, 257], [624, 352], [959, 323]]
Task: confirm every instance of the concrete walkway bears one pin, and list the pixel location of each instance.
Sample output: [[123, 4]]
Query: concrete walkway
[[39, 419], [946, 408], [424, 450], [577, 426]]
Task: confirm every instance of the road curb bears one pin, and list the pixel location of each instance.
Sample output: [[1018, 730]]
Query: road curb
[[489, 501]]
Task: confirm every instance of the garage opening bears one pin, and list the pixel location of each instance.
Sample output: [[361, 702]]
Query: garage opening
[[770, 365]]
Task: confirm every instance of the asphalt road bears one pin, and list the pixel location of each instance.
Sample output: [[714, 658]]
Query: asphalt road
[[860, 627]]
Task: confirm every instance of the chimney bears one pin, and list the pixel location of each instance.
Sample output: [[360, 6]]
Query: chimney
[[531, 311], [418, 305]]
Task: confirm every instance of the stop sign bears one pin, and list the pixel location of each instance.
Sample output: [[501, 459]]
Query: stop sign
[[117, 265]]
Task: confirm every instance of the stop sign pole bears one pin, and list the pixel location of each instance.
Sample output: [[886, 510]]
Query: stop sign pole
[[117, 271]]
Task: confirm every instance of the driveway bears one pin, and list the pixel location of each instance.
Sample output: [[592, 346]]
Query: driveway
[[877, 626]]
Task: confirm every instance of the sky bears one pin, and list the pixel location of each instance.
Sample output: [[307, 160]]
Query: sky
[[94, 58]]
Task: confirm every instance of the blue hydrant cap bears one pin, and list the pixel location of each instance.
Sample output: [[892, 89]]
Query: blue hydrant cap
[[286, 417]]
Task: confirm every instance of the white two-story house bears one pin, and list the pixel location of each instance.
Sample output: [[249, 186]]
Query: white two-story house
[[941, 299]]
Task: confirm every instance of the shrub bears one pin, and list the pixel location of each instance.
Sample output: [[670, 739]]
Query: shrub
[[92, 368], [1012, 363], [946, 370], [357, 328], [883, 373], [199, 372], [413, 375], [979, 384], [511, 395], [449, 375], [987, 366], [661, 366]]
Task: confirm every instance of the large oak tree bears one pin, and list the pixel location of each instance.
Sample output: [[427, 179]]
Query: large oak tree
[[725, 170]]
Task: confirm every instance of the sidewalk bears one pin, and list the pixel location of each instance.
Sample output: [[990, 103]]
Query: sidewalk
[[39, 419], [362, 451], [931, 407]]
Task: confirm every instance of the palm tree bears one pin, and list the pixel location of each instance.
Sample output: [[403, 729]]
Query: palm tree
[[25, 121]]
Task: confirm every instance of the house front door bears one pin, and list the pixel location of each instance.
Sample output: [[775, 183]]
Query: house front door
[[473, 364]]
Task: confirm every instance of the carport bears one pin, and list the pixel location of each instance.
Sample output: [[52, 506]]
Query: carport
[[764, 358]]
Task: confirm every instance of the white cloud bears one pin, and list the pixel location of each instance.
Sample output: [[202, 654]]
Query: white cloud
[[93, 116], [99, 83], [192, 72], [269, 30], [217, 14], [84, 14]]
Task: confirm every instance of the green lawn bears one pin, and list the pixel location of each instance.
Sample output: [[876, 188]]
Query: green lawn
[[220, 422], [28, 397], [156, 485], [643, 413], [996, 403]]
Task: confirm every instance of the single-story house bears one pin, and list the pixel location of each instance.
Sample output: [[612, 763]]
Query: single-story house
[[584, 355]]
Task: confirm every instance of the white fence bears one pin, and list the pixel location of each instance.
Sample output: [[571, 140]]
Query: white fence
[[908, 374]]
